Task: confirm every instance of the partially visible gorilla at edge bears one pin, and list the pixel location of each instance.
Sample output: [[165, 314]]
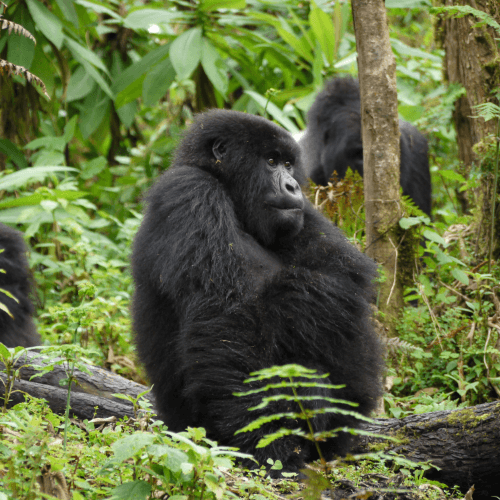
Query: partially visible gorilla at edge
[[15, 278], [333, 142], [235, 271]]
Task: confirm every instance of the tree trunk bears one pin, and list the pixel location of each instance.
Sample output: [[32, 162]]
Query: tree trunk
[[464, 444], [472, 60], [381, 150]]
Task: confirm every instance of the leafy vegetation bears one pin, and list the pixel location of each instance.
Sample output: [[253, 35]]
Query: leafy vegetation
[[124, 78]]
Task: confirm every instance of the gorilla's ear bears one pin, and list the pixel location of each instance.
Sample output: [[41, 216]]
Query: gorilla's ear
[[219, 149]]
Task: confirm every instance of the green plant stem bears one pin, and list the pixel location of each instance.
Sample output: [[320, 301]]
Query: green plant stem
[[311, 431], [68, 401], [493, 202]]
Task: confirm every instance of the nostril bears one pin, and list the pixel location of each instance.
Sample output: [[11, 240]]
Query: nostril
[[290, 187]]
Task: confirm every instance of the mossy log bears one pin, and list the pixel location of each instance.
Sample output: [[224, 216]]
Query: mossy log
[[464, 444]]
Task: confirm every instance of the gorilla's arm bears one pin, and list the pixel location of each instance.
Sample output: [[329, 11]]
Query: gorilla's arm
[[186, 241]]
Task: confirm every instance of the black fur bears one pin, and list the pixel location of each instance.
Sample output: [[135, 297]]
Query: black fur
[[16, 279], [226, 285], [333, 142]]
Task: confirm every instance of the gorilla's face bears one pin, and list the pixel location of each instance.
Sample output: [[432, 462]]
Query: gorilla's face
[[282, 202], [267, 197]]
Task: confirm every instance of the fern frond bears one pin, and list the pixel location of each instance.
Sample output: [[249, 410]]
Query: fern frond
[[5, 24], [8, 68], [395, 343]]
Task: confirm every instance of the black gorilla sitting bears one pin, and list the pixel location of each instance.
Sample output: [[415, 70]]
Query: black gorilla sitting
[[332, 142], [15, 278], [235, 271]]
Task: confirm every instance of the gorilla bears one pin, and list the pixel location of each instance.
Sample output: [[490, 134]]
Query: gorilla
[[235, 272], [332, 142], [15, 278]]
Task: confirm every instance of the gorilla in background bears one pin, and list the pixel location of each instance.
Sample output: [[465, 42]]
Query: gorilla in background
[[235, 271], [16, 279], [332, 142]]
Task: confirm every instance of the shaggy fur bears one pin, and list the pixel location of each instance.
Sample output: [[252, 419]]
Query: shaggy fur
[[332, 142], [226, 286], [16, 279]]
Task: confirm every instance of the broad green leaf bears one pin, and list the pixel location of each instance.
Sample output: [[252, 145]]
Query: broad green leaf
[[185, 52], [406, 50], [142, 19], [127, 113], [135, 490], [20, 49], [407, 222], [157, 82], [95, 108], [128, 85], [68, 9], [37, 198], [46, 22], [214, 67], [93, 167], [433, 236], [460, 276], [80, 84], [175, 459], [27, 175], [49, 205], [299, 44], [411, 113], [4, 351], [69, 129], [210, 5], [274, 111], [347, 61], [79, 56], [48, 142], [322, 27], [99, 8], [80, 52], [10, 150], [44, 69], [128, 446], [48, 157]]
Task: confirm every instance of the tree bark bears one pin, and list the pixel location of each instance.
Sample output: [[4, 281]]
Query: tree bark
[[464, 444], [472, 60], [381, 150]]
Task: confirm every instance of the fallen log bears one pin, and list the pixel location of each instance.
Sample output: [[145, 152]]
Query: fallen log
[[464, 444], [100, 382], [91, 395], [83, 406]]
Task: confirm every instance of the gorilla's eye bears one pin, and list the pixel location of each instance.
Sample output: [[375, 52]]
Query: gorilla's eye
[[271, 161], [288, 164]]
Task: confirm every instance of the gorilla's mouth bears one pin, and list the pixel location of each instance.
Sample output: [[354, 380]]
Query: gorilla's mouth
[[285, 209]]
